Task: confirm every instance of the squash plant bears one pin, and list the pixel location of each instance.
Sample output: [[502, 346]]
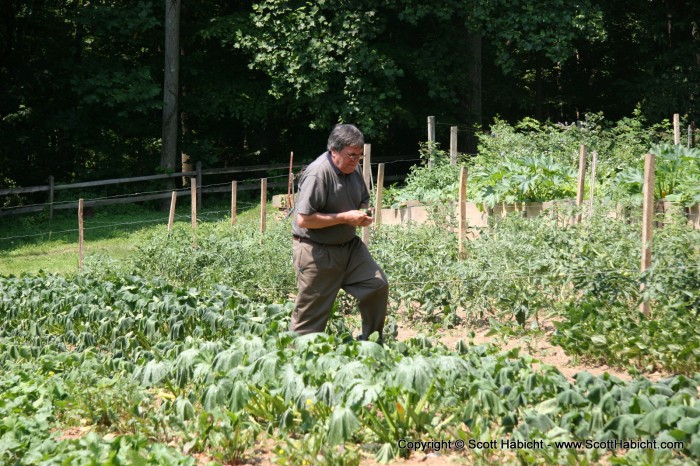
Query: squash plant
[[677, 176]]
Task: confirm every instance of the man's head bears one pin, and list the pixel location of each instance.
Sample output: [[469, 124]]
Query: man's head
[[346, 145]]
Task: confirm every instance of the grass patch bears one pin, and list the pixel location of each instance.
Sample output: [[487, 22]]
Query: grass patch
[[34, 243]]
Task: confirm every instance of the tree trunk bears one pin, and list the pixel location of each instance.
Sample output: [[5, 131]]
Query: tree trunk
[[474, 110], [170, 85]]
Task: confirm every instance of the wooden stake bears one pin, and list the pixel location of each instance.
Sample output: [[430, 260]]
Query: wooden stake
[[581, 182], [80, 234], [193, 201], [462, 236], [234, 194], [263, 204], [692, 137], [431, 138], [647, 222], [453, 145], [171, 217], [593, 167], [290, 197], [676, 128], [367, 166], [378, 199], [367, 174]]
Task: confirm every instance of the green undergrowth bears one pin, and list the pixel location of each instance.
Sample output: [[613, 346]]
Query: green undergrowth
[[516, 272], [159, 373]]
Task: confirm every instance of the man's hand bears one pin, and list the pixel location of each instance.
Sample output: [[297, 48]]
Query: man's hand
[[358, 218]]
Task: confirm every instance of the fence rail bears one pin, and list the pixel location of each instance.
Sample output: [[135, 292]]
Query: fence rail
[[51, 188]]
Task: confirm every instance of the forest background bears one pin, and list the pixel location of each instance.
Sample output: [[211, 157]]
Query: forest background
[[81, 82]]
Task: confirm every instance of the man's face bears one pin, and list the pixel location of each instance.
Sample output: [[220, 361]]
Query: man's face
[[348, 158]]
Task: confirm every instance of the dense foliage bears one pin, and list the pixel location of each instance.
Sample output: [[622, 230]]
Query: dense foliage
[[141, 364], [81, 82], [538, 162]]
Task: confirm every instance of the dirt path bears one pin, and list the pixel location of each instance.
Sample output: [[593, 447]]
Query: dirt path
[[536, 346]]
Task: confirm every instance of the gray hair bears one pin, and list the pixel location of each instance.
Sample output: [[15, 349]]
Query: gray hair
[[343, 136]]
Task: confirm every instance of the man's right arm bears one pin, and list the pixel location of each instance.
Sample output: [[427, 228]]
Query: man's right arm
[[316, 220]]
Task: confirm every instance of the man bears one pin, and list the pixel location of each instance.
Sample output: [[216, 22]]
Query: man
[[328, 255]]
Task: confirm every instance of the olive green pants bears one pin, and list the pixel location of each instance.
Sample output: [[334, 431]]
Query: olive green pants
[[323, 270]]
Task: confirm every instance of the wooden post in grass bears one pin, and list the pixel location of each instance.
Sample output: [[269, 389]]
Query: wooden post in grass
[[378, 198], [453, 145], [676, 128], [193, 201], [263, 204], [366, 174], [431, 139], [692, 132], [593, 167], [51, 195], [234, 194], [171, 217], [581, 183], [462, 236], [80, 234], [647, 222]]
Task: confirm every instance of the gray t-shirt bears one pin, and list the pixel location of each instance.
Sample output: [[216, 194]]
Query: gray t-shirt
[[324, 188]]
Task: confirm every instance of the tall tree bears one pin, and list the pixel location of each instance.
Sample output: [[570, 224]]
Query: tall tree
[[171, 85]]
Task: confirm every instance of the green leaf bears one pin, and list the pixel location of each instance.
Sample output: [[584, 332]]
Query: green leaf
[[694, 445], [240, 394], [572, 398], [363, 393], [342, 424], [599, 340], [623, 426], [540, 422], [154, 372], [213, 398], [414, 374], [386, 453], [184, 409]]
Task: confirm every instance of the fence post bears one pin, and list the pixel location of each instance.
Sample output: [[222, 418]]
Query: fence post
[[462, 236], [431, 139], [199, 185], [193, 200], [290, 183], [692, 138], [647, 223], [593, 168], [676, 128], [581, 182], [234, 194], [171, 216], [367, 174], [81, 235], [378, 201], [453, 145], [263, 204], [51, 195]]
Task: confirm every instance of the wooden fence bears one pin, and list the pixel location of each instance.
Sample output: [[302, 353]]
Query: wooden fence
[[197, 175]]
